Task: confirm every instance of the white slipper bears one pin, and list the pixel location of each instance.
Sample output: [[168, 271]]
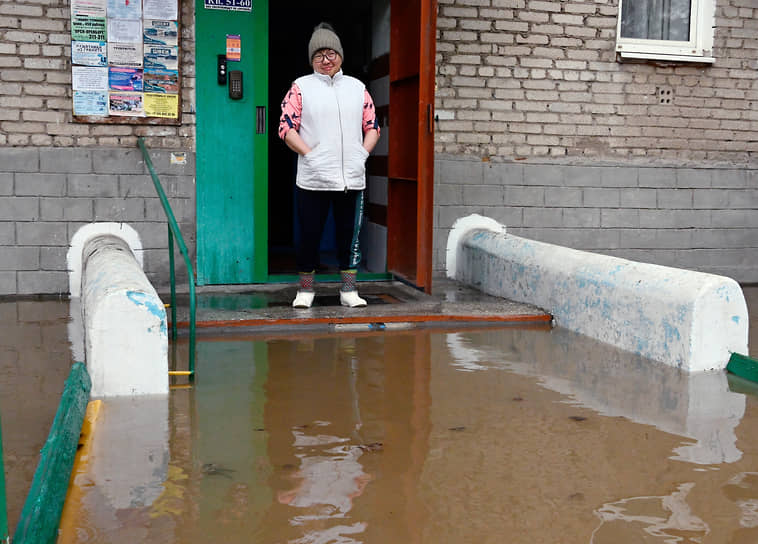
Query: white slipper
[[304, 299], [351, 299]]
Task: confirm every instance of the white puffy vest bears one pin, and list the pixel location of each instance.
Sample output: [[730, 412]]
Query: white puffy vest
[[332, 126]]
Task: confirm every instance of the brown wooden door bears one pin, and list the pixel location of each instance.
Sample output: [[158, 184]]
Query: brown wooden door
[[411, 145]]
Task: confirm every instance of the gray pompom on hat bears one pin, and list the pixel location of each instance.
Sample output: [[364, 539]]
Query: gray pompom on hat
[[324, 37]]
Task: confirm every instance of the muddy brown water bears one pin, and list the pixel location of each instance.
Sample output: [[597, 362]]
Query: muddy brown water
[[488, 435]]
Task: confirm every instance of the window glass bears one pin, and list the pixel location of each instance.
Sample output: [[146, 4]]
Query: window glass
[[656, 19]]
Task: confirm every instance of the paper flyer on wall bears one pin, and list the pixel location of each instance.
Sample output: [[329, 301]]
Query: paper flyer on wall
[[162, 105], [157, 32], [160, 9], [124, 31], [125, 54], [229, 5], [89, 53], [156, 80], [90, 103], [163, 57], [129, 104], [93, 8], [125, 9], [121, 78], [88, 29], [89, 78]]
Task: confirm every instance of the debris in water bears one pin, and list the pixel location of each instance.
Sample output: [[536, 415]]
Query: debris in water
[[372, 448], [461, 428], [577, 418], [212, 469]]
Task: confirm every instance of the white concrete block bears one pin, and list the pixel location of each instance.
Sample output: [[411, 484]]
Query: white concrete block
[[125, 325], [690, 320]]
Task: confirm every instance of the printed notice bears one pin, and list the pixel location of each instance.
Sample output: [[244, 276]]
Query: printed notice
[[233, 47], [162, 105], [90, 103], [124, 31], [93, 8], [163, 57], [89, 53], [230, 5], [89, 78], [160, 32], [161, 81], [125, 9], [129, 104], [160, 9], [124, 79], [125, 54], [88, 29]]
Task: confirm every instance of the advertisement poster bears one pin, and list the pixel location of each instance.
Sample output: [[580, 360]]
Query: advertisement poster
[[160, 32], [124, 79], [163, 57], [125, 54], [90, 103], [156, 80], [93, 8], [124, 31], [230, 5], [162, 105], [89, 53], [129, 104], [233, 47], [124, 9], [88, 29], [160, 9], [89, 78]]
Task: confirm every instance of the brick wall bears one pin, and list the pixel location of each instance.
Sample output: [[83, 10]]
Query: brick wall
[[539, 78], [57, 175], [541, 128], [35, 83]]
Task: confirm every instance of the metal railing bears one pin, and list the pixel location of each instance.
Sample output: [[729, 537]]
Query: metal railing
[[174, 234]]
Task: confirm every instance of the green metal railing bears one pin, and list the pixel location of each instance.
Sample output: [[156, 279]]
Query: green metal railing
[[174, 234]]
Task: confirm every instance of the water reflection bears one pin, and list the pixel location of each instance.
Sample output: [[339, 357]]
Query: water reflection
[[616, 383], [436, 437]]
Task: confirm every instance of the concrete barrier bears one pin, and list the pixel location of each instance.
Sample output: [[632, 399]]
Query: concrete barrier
[[690, 320], [124, 322]]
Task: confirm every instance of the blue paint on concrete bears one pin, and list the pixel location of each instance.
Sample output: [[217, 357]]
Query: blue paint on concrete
[[158, 310], [736, 319]]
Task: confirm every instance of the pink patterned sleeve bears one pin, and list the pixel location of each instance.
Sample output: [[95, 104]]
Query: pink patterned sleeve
[[369, 114], [292, 108]]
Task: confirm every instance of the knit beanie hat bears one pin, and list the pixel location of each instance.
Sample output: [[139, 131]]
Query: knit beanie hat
[[324, 37]]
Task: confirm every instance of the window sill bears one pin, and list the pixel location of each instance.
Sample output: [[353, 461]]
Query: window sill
[[665, 57]]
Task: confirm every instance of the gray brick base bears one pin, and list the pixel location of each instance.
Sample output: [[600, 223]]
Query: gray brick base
[[698, 218], [46, 194]]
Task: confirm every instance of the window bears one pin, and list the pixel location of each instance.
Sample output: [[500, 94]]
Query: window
[[675, 30]]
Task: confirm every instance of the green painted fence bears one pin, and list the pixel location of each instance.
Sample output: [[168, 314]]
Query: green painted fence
[[41, 515]]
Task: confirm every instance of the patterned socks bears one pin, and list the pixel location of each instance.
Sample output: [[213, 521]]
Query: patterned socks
[[306, 281], [348, 280]]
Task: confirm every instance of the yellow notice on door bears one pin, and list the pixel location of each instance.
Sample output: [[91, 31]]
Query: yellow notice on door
[[161, 105], [233, 47]]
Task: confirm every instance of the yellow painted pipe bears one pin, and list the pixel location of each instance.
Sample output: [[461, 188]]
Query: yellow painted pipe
[[180, 373], [72, 507]]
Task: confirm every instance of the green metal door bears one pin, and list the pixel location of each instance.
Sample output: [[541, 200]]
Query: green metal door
[[232, 142]]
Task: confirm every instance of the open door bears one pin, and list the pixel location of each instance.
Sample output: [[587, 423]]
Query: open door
[[231, 86], [410, 191]]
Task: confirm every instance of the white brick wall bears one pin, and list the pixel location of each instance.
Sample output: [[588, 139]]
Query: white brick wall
[[519, 78], [35, 83]]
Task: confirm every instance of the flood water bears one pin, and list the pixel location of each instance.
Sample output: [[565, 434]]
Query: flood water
[[420, 436], [490, 435]]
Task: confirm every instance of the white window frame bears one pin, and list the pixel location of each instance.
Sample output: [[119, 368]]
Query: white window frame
[[697, 49]]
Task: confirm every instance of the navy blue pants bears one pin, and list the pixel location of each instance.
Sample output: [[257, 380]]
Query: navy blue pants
[[313, 210]]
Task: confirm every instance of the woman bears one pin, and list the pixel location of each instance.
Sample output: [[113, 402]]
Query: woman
[[329, 120]]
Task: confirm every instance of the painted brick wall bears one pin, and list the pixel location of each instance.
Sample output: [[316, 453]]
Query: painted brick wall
[[35, 83], [542, 129], [539, 78]]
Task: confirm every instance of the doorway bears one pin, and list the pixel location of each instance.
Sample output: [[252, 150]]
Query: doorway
[[245, 208], [364, 43]]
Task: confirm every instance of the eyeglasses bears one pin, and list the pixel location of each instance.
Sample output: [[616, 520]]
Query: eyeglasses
[[329, 55]]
